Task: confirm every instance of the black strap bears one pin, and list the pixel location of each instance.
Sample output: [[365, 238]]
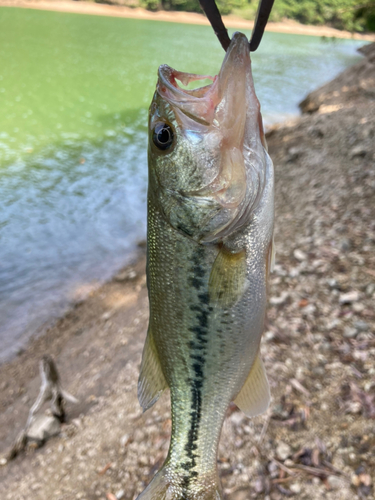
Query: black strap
[[263, 13], [213, 15]]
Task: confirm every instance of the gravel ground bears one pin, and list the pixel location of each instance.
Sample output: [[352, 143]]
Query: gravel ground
[[317, 440]]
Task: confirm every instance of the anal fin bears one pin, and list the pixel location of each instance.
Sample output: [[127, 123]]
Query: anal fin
[[254, 397], [151, 382]]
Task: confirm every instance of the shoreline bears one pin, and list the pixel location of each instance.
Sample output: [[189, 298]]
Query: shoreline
[[231, 21]]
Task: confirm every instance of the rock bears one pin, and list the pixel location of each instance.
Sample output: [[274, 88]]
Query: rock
[[335, 482], [43, 428], [295, 488], [278, 301], [107, 315], [347, 298], [77, 422], [124, 440], [258, 485], [309, 105], [294, 153], [127, 275], [333, 324], [120, 494], [370, 289], [240, 495], [361, 326], [358, 151], [3, 461], [299, 255], [283, 451], [345, 245], [237, 418], [358, 307], [350, 333], [365, 479], [308, 310], [269, 336], [332, 283]]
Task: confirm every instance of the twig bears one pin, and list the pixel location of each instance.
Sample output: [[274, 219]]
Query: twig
[[314, 471], [50, 390], [284, 467]]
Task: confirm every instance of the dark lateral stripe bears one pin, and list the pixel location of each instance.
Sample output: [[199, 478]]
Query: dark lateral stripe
[[197, 346]]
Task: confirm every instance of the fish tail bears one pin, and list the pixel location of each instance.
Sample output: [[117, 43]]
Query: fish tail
[[164, 488]]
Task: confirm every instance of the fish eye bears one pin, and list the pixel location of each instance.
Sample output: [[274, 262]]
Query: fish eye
[[163, 136]]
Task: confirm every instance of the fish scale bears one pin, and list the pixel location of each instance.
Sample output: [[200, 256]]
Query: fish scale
[[209, 254]]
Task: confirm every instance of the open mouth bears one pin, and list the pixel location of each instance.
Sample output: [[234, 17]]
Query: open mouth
[[223, 99]]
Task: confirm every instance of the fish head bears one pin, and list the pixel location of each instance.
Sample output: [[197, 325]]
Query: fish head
[[207, 148]]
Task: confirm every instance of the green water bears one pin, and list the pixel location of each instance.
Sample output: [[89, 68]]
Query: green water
[[74, 92], [67, 76]]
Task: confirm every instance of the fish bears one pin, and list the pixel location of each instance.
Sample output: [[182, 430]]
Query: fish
[[209, 253]]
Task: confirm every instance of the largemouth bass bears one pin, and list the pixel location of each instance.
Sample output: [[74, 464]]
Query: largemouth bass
[[210, 227]]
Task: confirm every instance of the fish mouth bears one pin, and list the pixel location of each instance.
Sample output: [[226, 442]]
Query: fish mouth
[[219, 109], [226, 91]]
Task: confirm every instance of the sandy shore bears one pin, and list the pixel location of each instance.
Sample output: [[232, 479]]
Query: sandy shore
[[318, 348], [287, 26]]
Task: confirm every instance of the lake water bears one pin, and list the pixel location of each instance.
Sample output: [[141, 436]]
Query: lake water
[[74, 93]]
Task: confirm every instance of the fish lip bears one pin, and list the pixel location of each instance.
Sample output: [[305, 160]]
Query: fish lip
[[168, 76], [239, 43], [198, 104]]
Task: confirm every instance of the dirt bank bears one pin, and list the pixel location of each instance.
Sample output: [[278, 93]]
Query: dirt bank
[[83, 7], [319, 344]]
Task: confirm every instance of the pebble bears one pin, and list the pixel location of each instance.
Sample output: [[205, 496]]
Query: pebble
[[269, 336], [124, 440], [278, 301], [299, 255], [362, 326], [345, 244], [295, 488], [358, 151], [127, 275], [107, 315], [332, 283], [283, 451], [237, 418], [294, 153], [120, 494], [347, 298], [335, 482], [349, 332], [355, 480]]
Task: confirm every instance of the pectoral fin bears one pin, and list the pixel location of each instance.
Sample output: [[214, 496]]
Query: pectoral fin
[[228, 280], [151, 382], [254, 397]]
